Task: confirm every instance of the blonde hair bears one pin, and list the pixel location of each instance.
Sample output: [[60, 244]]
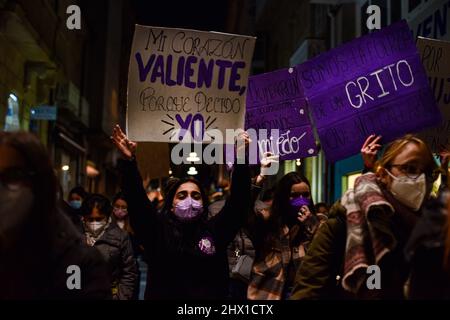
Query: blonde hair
[[397, 146]]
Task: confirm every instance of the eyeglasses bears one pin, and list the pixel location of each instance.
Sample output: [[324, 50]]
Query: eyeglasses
[[11, 178], [413, 171]]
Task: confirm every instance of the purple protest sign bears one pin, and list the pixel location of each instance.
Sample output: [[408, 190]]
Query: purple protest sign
[[275, 100], [375, 84], [435, 55]]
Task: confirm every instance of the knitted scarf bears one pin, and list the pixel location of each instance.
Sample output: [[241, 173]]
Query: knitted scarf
[[366, 244], [91, 238]]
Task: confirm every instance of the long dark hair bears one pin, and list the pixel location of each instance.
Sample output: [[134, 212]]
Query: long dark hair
[[280, 205], [118, 196], [127, 226], [182, 235], [79, 190], [98, 201], [171, 190], [34, 247], [279, 212]]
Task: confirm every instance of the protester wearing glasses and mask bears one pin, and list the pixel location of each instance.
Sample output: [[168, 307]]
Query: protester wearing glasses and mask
[[370, 225]]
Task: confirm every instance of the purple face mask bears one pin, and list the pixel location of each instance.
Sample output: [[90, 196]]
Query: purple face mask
[[188, 209], [120, 213], [299, 202]]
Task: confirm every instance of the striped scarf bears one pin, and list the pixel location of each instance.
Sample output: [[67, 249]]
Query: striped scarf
[[365, 244]]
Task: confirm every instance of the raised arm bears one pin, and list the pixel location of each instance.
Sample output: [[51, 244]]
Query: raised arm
[[233, 215], [141, 211], [257, 221], [369, 151]]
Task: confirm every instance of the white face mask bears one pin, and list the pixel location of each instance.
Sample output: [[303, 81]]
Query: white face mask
[[410, 192], [96, 227]]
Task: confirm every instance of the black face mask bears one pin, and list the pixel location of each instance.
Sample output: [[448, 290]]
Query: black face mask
[[16, 204]]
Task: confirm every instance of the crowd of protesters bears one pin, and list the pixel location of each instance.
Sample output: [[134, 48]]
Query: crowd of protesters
[[247, 242]]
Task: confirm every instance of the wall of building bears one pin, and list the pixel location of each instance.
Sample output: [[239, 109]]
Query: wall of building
[[44, 63]]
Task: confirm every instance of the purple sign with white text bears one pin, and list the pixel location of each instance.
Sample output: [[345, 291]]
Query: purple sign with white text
[[375, 84], [275, 100]]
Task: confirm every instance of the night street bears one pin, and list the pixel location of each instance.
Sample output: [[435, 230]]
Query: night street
[[225, 155]]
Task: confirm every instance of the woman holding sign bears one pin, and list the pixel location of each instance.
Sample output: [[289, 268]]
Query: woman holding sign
[[187, 253], [359, 251]]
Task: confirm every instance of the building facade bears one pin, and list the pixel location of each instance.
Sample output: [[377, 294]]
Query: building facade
[[43, 63], [291, 32]]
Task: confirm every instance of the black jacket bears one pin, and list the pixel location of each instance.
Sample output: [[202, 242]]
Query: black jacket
[[185, 272], [21, 280], [70, 249], [425, 250], [319, 274], [73, 214], [115, 247]]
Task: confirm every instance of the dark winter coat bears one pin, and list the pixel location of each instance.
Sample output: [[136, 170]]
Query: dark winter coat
[[69, 259], [321, 272], [185, 271], [430, 279], [115, 247]]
